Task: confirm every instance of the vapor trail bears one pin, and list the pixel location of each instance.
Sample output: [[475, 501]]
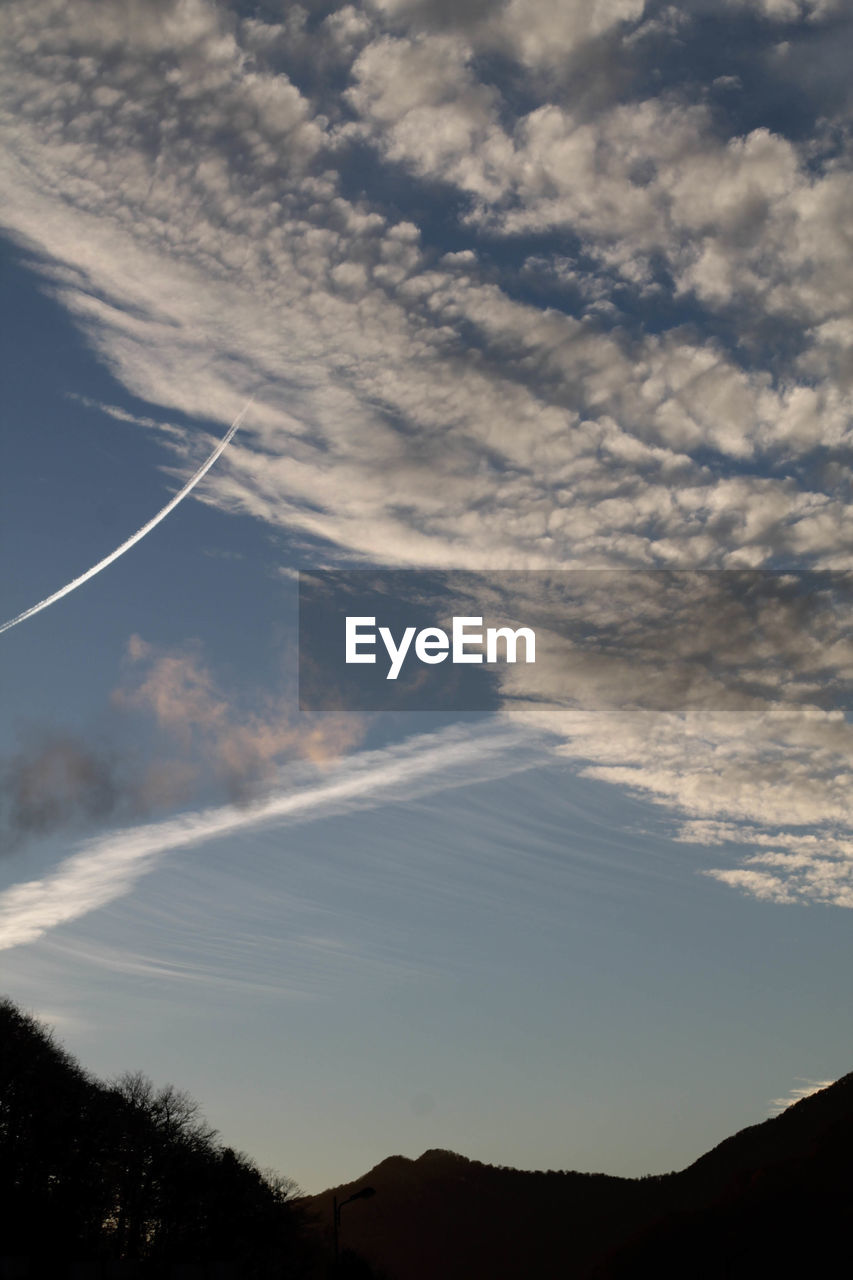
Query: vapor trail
[[134, 537]]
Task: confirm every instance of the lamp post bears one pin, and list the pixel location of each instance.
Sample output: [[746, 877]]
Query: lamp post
[[363, 1194]]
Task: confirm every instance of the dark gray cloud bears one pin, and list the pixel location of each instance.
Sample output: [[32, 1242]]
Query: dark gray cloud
[[54, 781], [178, 737]]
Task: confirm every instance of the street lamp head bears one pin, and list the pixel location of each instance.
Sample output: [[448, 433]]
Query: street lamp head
[[364, 1194]]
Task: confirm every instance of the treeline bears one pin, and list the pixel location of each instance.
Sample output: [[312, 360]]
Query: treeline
[[124, 1173]]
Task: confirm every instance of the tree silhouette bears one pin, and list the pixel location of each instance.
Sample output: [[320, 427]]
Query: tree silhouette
[[127, 1173]]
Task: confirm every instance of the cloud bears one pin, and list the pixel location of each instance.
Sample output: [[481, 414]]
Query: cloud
[[431, 111], [177, 688], [54, 780], [107, 868], [749, 221], [59, 779], [718, 697], [804, 1090], [547, 440], [241, 746], [783, 865], [520, 291], [538, 33], [788, 10]]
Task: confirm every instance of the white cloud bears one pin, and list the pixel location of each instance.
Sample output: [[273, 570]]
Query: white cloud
[[541, 34], [743, 221], [789, 10], [193, 208], [717, 699], [804, 1090], [206, 268], [107, 868], [431, 112]]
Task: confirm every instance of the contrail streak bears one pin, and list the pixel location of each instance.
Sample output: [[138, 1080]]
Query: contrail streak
[[134, 537]]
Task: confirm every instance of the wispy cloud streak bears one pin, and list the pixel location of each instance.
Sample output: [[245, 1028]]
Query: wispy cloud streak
[[134, 537], [803, 1090], [107, 868]]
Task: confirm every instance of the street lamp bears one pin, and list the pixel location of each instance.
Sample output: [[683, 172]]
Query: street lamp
[[364, 1194]]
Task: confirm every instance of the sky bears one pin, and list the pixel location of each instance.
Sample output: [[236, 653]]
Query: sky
[[553, 293]]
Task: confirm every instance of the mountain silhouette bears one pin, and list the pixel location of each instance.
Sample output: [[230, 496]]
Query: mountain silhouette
[[774, 1199], [120, 1180]]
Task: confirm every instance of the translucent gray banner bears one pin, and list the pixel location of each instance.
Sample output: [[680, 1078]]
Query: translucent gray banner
[[415, 640]]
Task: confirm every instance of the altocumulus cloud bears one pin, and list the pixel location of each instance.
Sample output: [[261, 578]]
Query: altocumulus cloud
[[605, 320]]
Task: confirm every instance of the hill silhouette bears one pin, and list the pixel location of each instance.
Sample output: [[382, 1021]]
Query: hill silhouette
[[774, 1199]]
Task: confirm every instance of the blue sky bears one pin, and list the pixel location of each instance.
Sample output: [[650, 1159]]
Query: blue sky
[[513, 286]]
